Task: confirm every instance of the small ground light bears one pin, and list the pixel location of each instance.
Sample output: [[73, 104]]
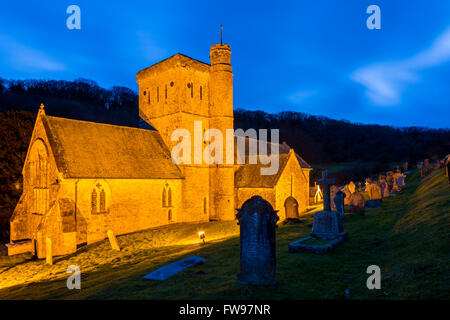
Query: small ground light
[[202, 236]]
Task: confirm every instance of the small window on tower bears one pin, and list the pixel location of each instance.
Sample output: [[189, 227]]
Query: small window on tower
[[201, 93], [148, 98], [171, 84], [145, 92], [165, 93], [157, 94]]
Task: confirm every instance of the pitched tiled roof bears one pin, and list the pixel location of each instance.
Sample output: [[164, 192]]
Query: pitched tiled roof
[[249, 175], [95, 150]]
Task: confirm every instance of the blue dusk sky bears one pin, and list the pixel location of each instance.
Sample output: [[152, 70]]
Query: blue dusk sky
[[316, 57]]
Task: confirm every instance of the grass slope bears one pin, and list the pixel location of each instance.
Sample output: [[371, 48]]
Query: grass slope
[[407, 237]]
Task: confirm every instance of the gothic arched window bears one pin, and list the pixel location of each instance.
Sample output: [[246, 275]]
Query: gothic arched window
[[164, 197], [98, 199], [169, 198], [102, 201], [94, 201]]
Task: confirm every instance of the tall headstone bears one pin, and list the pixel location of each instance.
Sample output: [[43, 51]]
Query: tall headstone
[[48, 251], [326, 182], [258, 223], [113, 241], [339, 202], [333, 191]]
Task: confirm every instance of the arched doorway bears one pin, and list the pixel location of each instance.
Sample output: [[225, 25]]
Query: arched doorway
[[291, 208]]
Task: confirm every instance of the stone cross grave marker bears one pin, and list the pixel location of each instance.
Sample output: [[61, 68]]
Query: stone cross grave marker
[[258, 223], [48, 251], [326, 183], [113, 240]]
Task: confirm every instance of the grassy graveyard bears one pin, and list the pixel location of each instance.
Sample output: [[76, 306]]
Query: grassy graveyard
[[407, 237]]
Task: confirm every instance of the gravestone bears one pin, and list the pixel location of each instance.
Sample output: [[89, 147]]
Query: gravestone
[[352, 187], [339, 202], [375, 195], [390, 179], [48, 251], [169, 270], [401, 180], [333, 191], [356, 203], [258, 222], [113, 240], [328, 225], [347, 195], [384, 189]]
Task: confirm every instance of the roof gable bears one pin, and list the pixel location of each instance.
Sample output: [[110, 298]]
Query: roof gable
[[174, 61]]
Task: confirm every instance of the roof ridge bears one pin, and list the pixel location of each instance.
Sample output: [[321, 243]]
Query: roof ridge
[[101, 123]]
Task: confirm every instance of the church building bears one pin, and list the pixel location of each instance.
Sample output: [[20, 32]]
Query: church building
[[81, 179]]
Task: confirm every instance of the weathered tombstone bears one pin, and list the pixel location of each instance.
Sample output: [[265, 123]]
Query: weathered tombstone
[[390, 179], [333, 191], [384, 189], [347, 195], [401, 180], [48, 251], [258, 222], [356, 203], [339, 203], [113, 240], [352, 187], [327, 225]]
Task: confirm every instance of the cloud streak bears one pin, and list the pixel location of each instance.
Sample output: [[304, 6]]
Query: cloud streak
[[22, 57], [385, 81]]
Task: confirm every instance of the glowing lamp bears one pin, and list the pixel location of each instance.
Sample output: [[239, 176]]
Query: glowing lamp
[[202, 236]]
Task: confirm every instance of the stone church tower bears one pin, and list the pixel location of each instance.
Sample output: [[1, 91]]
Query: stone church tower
[[175, 93]]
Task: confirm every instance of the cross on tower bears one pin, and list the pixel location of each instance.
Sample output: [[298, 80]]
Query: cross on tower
[[326, 182]]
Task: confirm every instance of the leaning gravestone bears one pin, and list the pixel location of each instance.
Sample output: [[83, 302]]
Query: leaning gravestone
[[356, 203], [48, 251], [328, 225], [113, 240], [258, 222], [339, 202]]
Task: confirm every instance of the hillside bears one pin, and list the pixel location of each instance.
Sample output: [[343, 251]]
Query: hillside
[[408, 237], [357, 150]]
